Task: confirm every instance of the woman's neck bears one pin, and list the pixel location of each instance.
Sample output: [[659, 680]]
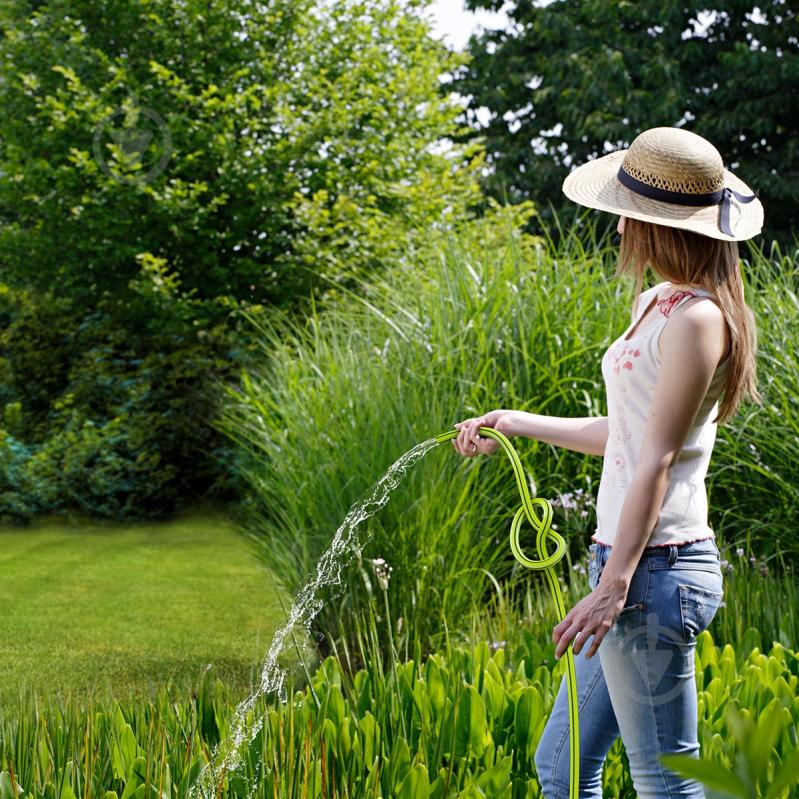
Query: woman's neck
[[680, 287]]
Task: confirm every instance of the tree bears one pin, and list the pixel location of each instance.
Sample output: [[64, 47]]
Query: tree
[[240, 142], [578, 78], [166, 164]]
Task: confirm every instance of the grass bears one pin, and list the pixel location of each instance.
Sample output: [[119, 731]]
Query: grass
[[482, 320], [90, 608]]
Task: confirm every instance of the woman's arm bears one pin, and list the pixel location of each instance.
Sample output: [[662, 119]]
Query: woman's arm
[[587, 434]]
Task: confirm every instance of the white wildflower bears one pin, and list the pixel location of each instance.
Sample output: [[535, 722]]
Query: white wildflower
[[382, 572]]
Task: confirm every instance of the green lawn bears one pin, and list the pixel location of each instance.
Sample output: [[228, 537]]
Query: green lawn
[[88, 608]]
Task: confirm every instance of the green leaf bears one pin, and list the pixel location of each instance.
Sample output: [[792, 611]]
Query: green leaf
[[470, 727], [416, 784], [787, 774], [496, 780], [435, 685], [527, 715], [712, 774], [138, 773], [7, 788]]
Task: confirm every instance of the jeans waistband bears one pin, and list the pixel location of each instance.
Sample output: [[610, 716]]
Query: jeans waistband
[[700, 545], [670, 552]]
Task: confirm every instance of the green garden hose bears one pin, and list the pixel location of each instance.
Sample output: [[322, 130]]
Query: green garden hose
[[545, 562]]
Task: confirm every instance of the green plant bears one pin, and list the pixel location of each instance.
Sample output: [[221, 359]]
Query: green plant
[[481, 319], [758, 772], [462, 722], [157, 187], [147, 167]]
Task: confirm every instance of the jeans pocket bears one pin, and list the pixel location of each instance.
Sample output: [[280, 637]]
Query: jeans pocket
[[593, 557], [592, 579], [636, 600], [630, 608], [698, 606]]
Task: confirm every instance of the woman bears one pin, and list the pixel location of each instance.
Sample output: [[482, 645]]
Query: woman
[[654, 567]]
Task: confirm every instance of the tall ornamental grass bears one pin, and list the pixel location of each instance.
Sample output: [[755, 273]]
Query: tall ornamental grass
[[488, 319], [754, 473]]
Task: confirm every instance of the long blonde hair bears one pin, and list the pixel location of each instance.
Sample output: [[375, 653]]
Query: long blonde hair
[[685, 257]]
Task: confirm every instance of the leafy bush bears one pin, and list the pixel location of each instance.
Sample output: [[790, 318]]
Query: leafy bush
[[255, 154], [169, 164], [16, 498], [109, 422]]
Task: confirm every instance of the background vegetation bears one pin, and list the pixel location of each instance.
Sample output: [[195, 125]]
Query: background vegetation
[[493, 319], [252, 252], [166, 165], [575, 79], [169, 167]]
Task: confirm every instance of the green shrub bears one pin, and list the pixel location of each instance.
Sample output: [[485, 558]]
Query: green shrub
[[109, 421], [17, 503], [154, 188]]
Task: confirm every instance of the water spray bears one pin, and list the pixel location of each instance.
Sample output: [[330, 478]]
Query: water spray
[[546, 564], [226, 757]]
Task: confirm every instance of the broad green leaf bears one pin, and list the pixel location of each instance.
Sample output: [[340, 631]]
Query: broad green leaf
[[711, 774], [470, 726], [416, 784]]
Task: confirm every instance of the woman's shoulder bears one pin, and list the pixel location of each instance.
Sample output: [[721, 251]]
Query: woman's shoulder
[[645, 297], [647, 294], [700, 323]]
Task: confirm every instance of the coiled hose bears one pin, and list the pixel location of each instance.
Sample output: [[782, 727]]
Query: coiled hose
[[545, 563]]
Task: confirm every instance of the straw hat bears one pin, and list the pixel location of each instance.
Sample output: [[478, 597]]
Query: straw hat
[[672, 177]]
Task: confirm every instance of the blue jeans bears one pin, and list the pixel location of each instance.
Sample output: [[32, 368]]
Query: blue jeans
[[641, 682]]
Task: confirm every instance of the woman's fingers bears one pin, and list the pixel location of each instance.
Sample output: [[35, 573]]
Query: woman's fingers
[[474, 436], [476, 442], [465, 438], [580, 624], [459, 440], [599, 634], [471, 438], [563, 640], [469, 442]]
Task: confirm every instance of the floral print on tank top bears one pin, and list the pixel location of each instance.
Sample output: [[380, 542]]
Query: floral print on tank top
[[630, 357], [623, 354]]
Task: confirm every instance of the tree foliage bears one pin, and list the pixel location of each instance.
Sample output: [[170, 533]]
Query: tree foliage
[[288, 134], [576, 79], [166, 165]]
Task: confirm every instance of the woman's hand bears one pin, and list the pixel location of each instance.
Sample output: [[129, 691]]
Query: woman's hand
[[469, 443], [592, 615]]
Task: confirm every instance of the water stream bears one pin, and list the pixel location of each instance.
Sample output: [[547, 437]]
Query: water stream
[[345, 545]]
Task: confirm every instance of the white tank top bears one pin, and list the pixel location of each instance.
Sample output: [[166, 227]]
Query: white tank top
[[630, 369]]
